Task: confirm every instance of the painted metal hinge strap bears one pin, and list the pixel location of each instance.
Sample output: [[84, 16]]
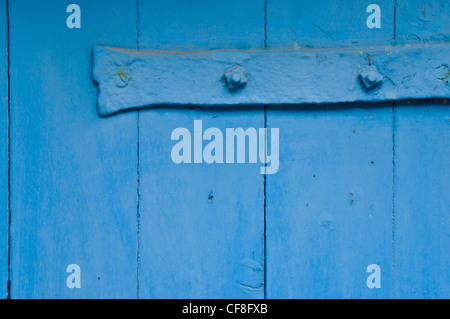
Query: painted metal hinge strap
[[130, 79]]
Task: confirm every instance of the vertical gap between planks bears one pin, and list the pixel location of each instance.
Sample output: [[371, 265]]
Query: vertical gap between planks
[[138, 174], [393, 203], [9, 153], [393, 173], [265, 164]]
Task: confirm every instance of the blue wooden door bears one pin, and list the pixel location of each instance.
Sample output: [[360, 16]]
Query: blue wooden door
[[358, 183]]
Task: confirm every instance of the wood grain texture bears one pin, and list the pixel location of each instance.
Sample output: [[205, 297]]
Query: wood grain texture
[[3, 152], [324, 23], [201, 225], [329, 208], [73, 172], [422, 158], [422, 212], [422, 21]]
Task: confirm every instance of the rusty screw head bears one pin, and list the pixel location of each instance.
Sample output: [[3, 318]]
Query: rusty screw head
[[235, 78], [121, 79], [370, 77]]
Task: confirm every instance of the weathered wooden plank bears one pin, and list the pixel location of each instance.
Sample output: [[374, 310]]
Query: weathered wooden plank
[[422, 21], [73, 172], [422, 212], [201, 226], [422, 158], [323, 23], [3, 152], [329, 207]]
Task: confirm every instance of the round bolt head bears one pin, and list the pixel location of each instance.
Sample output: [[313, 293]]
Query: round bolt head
[[370, 77], [121, 79], [236, 78]]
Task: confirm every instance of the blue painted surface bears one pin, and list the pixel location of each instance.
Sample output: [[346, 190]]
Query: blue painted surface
[[329, 208], [201, 226], [73, 173], [324, 23], [422, 212], [358, 184], [422, 158], [129, 79], [408, 237], [420, 21], [3, 152]]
